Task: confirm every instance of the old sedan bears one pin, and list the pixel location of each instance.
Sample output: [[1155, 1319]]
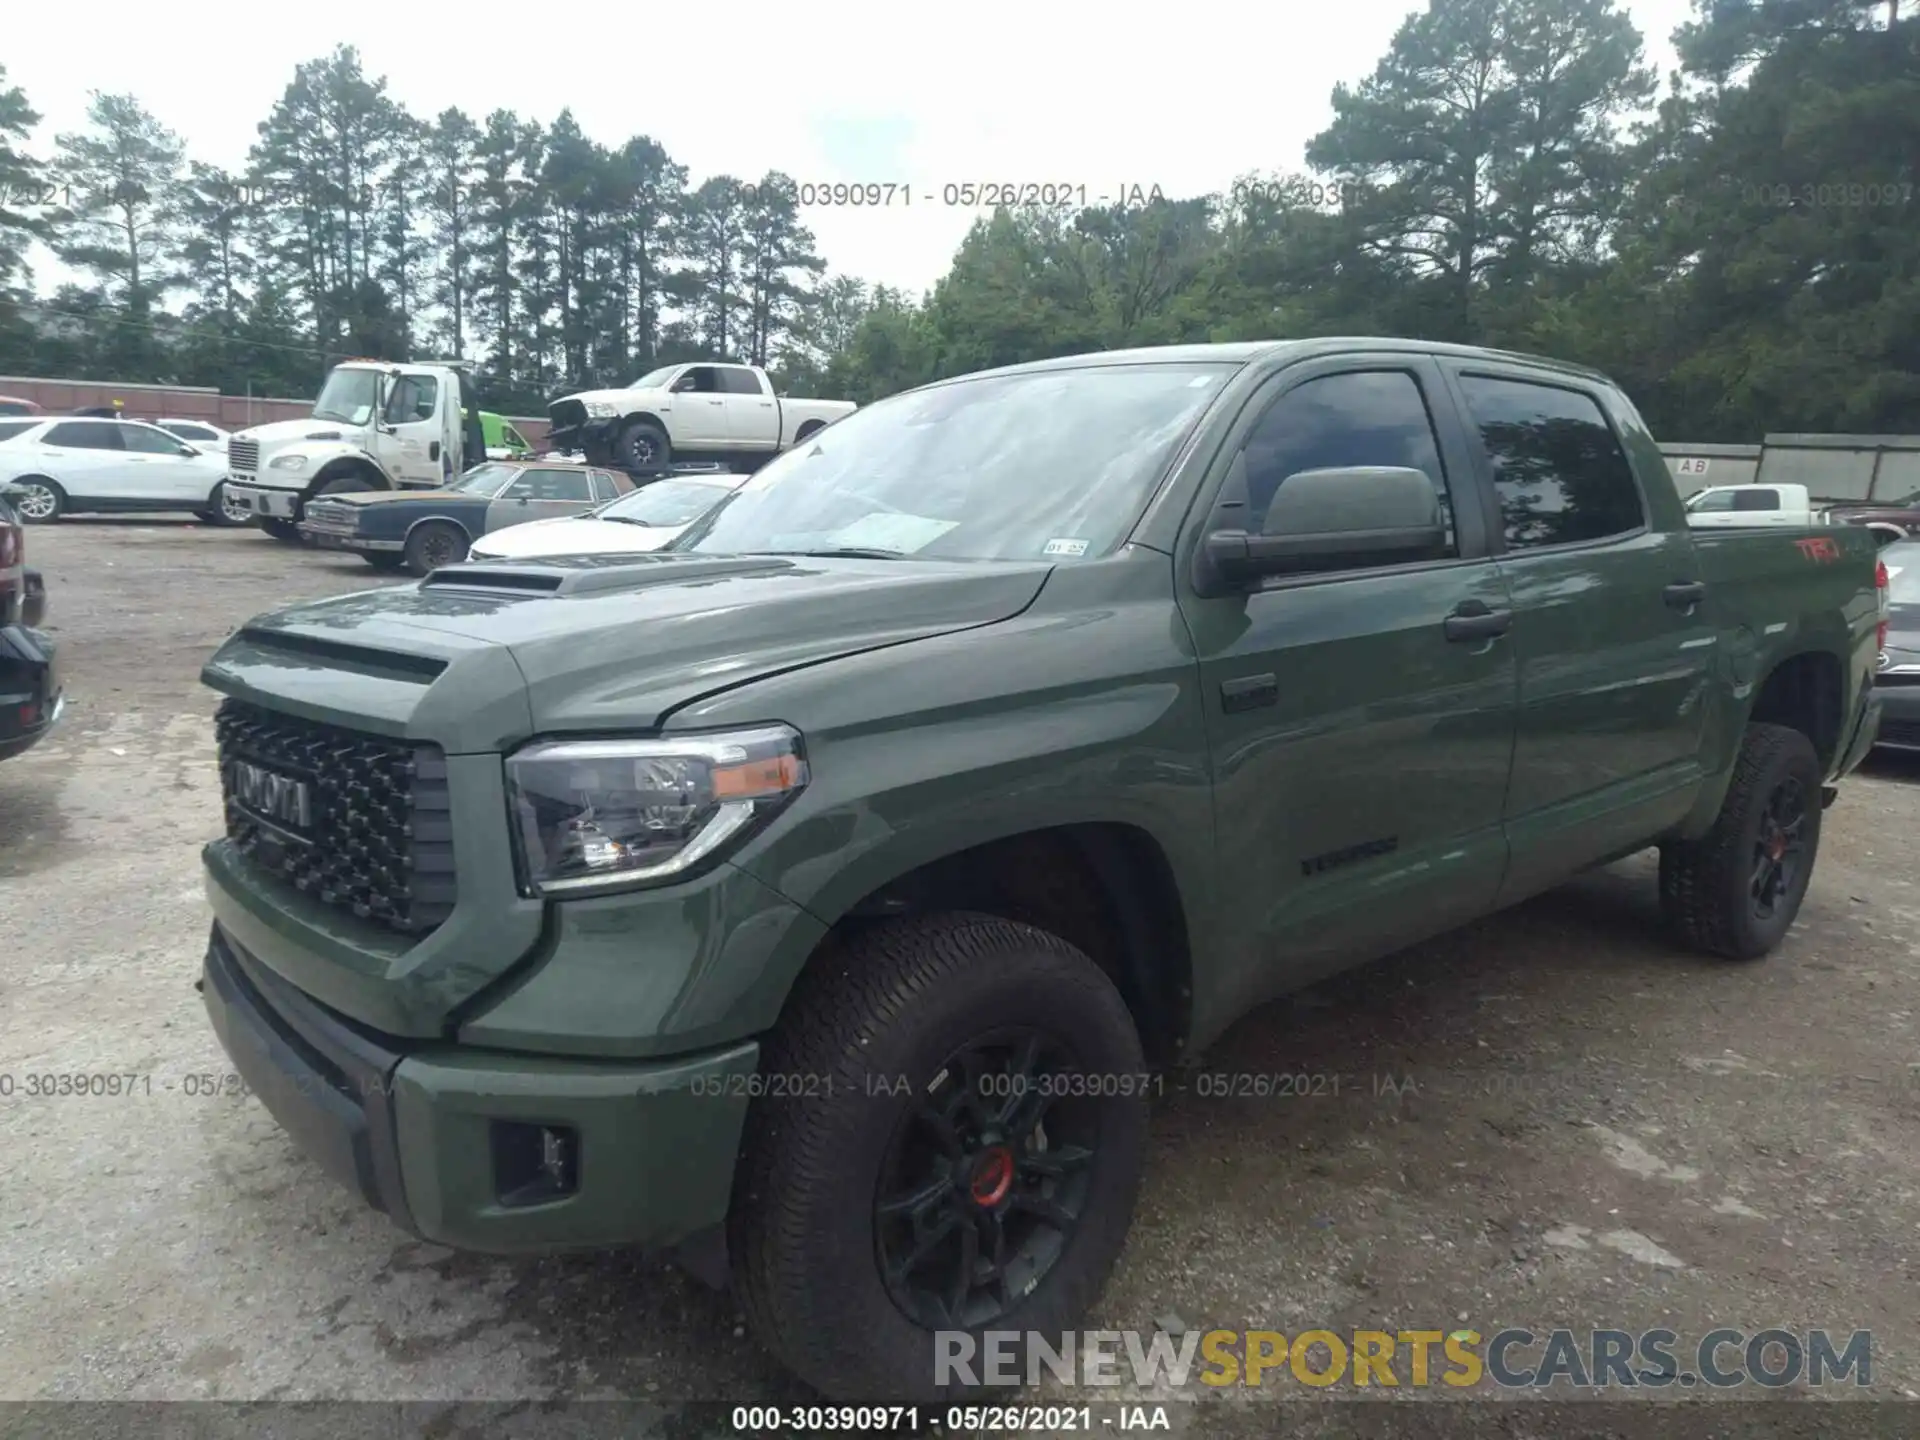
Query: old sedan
[[422, 530]]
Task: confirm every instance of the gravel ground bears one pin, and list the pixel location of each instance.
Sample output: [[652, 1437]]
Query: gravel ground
[[1577, 1126]]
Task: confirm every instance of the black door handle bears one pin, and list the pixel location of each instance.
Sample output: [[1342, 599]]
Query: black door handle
[[1684, 594], [1472, 620]]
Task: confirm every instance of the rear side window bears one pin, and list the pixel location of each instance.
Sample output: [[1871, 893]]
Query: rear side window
[[1756, 500], [1559, 469], [86, 435], [741, 382], [1374, 417]]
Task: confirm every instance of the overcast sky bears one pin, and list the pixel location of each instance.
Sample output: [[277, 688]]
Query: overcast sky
[[1055, 91]]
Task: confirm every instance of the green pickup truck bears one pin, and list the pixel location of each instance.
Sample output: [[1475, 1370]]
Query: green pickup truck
[[819, 898]]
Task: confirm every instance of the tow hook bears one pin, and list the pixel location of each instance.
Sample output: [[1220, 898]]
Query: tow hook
[[1828, 794]]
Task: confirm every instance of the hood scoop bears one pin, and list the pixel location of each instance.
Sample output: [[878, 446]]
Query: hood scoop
[[598, 574]]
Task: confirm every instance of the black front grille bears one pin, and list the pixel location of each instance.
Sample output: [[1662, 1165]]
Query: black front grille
[[378, 838], [567, 414], [1899, 732]]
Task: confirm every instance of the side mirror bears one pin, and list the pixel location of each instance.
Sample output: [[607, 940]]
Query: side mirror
[[1347, 518]]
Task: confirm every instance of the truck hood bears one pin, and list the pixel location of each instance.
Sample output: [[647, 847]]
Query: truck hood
[[601, 643], [625, 398], [279, 432]]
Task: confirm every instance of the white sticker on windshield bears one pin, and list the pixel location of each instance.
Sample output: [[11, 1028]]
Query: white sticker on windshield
[[884, 531], [1065, 547]]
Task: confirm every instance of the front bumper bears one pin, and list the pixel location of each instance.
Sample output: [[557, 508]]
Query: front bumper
[[341, 540], [32, 697], [434, 1135], [265, 500]]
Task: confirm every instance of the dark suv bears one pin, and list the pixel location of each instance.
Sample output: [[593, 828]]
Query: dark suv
[[30, 694]]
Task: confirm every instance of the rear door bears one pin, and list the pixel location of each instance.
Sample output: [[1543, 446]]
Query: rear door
[[1612, 622], [541, 493], [753, 419], [86, 457], [1359, 755]]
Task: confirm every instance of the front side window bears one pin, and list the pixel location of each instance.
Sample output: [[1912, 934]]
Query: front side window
[[700, 380], [11, 428], [1711, 502], [1040, 465], [413, 399], [1561, 474], [1376, 417]]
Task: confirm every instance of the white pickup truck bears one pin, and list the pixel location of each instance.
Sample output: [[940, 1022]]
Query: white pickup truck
[[376, 425], [724, 413], [1740, 506]]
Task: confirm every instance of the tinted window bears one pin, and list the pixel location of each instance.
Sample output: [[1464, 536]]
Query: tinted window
[[1370, 418], [11, 428], [741, 382], [414, 398], [701, 380], [1756, 500], [551, 485], [146, 440], [1561, 473], [86, 435]]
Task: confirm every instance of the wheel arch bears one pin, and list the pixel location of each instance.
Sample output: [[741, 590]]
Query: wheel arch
[[437, 520], [1805, 691], [1107, 887], [348, 467]]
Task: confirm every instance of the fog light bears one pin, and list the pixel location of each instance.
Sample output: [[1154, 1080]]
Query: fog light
[[534, 1164]]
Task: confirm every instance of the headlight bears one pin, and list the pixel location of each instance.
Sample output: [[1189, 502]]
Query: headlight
[[602, 409], [598, 815], [288, 462]]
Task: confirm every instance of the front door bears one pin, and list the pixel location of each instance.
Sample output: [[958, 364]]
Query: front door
[[412, 435], [1359, 750], [1612, 628], [542, 493], [700, 407]]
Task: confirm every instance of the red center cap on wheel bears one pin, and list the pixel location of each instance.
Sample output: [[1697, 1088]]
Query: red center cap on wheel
[[992, 1176]]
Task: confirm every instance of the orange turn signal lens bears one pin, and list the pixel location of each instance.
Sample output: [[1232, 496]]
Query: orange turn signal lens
[[772, 776]]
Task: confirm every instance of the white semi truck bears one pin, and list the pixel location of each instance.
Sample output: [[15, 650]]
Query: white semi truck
[[377, 425]]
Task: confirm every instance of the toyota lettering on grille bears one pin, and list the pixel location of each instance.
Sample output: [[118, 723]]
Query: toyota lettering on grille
[[279, 798]]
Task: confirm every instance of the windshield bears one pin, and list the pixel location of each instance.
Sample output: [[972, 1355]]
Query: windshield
[[664, 503], [348, 397], [1051, 464], [653, 379], [485, 480]]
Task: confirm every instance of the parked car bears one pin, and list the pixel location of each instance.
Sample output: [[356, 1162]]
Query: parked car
[[31, 696], [726, 413], [1904, 512], [1898, 678], [197, 432], [63, 466], [643, 520], [422, 530], [13, 405], [1745, 506]]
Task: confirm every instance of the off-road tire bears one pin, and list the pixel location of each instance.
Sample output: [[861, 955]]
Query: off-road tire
[[888, 1008], [52, 488], [1706, 885], [643, 448], [434, 543], [287, 532]]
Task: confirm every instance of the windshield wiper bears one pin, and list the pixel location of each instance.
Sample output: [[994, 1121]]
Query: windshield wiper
[[844, 552], [627, 520]]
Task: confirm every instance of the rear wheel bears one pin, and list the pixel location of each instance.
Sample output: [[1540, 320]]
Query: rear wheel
[[38, 500], [433, 544], [955, 1143], [1735, 891]]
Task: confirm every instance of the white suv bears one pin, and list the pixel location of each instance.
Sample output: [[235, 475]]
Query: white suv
[[197, 432], [67, 465]]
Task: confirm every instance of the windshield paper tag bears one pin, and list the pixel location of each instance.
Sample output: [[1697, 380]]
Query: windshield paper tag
[[882, 531], [1065, 547]]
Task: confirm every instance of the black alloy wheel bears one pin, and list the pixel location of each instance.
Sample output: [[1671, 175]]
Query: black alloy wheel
[[1779, 850], [984, 1182]]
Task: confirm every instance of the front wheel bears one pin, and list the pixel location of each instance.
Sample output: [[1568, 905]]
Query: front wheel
[[643, 446], [434, 544], [950, 1137], [285, 531], [225, 508], [1735, 891]]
